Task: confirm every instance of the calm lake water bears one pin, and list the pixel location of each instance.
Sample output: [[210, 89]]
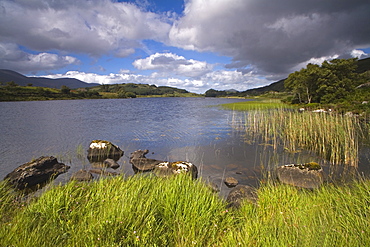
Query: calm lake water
[[190, 129]]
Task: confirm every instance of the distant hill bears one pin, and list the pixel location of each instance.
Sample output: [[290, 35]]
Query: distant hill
[[21, 80]]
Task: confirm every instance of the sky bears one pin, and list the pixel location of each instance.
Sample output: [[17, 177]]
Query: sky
[[190, 44]]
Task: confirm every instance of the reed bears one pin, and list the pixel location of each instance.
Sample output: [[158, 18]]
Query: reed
[[332, 136]]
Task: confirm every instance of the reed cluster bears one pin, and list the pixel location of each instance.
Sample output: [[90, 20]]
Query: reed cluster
[[332, 136], [149, 211]]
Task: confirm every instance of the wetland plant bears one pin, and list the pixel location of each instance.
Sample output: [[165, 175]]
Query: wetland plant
[[334, 137]]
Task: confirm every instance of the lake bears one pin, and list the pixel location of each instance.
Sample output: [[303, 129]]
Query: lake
[[172, 129]]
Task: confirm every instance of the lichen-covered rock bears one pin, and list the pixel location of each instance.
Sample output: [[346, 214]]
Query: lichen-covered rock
[[161, 168], [36, 173], [231, 182], [172, 168], [100, 150], [241, 193], [308, 175], [82, 175]]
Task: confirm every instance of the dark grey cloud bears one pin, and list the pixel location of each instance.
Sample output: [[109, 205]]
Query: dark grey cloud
[[13, 58], [274, 36], [93, 27]]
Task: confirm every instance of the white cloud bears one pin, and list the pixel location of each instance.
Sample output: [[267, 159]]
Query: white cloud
[[172, 63], [11, 57], [359, 54], [220, 80], [93, 27]]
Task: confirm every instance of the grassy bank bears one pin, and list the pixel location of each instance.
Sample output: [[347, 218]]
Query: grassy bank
[[145, 211], [257, 105]]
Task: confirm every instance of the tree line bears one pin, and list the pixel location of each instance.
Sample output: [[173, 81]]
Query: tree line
[[334, 81]]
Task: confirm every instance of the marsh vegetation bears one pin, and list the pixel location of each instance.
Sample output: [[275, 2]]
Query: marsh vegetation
[[335, 137]]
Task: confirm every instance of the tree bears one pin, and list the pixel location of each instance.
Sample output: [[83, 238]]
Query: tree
[[328, 83], [304, 83], [340, 81], [65, 90], [11, 84]]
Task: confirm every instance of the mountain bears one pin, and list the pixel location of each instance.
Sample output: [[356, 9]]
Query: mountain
[[275, 86], [21, 80]]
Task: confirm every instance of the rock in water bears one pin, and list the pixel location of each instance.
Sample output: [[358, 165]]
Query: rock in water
[[140, 163], [309, 175], [240, 193], [101, 150], [166, 168], [82, 175], [111, 163], [231, 182], [36, 173], [161, 168]]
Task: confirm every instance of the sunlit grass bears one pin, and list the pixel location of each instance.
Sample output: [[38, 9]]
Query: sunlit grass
[[261, 104], [149, 211]]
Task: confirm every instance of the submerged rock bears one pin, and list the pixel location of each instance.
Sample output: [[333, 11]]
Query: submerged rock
[[241, 193], [231, 182], [100, 150], [111, 163], [82, 175], [103, 172], [309, 175], [140, 163], [36, 173]]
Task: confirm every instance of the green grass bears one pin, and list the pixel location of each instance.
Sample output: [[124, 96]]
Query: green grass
[[149, 211], [259, 104]]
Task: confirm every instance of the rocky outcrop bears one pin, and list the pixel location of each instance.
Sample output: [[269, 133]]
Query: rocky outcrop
[[36, 173], [82, 175], [100, 150], [241, 193], [309, 175], [161, 168], [231, 182]]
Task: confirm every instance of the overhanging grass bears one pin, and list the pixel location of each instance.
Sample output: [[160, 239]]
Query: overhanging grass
[[145, 211]]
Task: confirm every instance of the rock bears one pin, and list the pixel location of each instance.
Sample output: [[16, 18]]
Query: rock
[[140, 163], [36, 173], [110, 163], [173, 168], [82, 175], [213, 186], [241, 193], [161, 168], [309, 175], [103, 172], [231, 182], [101, 150]]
